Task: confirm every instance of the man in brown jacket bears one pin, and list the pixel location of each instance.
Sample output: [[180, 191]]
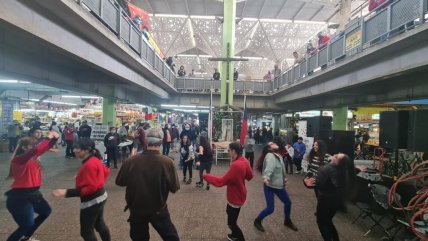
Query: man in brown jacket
[[148, 179]]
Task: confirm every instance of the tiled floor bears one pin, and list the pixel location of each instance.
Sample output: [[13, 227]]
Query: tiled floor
[[198, 214]]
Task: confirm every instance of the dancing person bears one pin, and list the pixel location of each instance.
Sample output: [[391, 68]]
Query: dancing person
[[111, 142], [272, 167], [25, 198], [90, 181], [187, 156], [148, 179], [69, 139], [205, 160], [334, 183], [140, 141], [239, 171]]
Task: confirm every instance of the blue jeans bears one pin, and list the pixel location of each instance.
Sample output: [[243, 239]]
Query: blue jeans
[[22, 204], [270, 203]]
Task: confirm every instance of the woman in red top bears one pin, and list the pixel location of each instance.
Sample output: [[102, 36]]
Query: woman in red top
[[25, 199], [239, 171], [90, 182]]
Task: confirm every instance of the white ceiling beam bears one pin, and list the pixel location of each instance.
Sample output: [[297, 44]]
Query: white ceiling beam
[[245, 35], [175, 38], [261, 9], [243, 9], [150, 5], [169, 7], [316, 13], [281, 9], [201, 35], [298, 11], [187, 7], [270, 45]]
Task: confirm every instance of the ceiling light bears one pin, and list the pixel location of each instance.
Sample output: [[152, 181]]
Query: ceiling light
[[309, 22], [8, 81], [250, 19], [187, 106], [58, 102], [80, 97], [275, 20], [202, 17], [36, 100], [164, 105], [171, 15]]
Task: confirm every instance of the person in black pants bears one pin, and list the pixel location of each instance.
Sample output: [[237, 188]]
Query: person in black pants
[[334, 183], [111, 141], [187, 156], [91, 191], [249, 149], [166, 144], [205, 161]]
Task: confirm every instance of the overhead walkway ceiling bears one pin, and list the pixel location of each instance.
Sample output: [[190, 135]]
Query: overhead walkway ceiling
[[61, 44]]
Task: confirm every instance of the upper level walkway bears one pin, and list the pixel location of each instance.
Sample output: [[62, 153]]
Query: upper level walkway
[[90, 45]]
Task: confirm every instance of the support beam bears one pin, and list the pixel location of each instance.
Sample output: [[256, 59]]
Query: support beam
[[298, 11], [281, 9], [228, 51], [316, 13], [109, 112]]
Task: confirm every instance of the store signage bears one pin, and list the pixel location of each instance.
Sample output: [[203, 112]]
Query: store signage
[[303, 127], [99, 132], [6, 112], [353, 41]]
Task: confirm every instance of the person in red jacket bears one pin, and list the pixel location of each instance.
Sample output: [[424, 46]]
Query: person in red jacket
[[25, 199], [239, 171], [89, 187], [69, 139]]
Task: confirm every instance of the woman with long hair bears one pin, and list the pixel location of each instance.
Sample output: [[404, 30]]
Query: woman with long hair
[[25, 198], [90, 181], [187, 156], [272, 167], [205, 161], [334, 182]]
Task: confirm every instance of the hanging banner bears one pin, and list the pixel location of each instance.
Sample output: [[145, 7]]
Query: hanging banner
[[140, 16], [353, 41], [6, 112], [303, 126]]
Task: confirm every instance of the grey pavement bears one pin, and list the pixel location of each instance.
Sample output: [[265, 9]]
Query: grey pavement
[[198, 214]]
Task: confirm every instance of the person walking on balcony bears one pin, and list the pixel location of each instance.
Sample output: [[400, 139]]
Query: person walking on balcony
[[323, 40]]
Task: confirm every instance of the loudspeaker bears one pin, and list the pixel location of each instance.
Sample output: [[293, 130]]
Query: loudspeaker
[[339, 141], [318, 124], [417, 138], [393, 127]]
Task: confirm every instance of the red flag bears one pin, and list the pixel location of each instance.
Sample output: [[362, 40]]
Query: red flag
[[244, 129], [141, 15]]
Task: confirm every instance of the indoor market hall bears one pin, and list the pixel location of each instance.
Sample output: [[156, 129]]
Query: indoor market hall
[[214, 120]]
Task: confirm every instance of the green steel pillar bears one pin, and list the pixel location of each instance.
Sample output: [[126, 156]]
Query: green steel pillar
[[226, 73], [109, 112], [340, 119]]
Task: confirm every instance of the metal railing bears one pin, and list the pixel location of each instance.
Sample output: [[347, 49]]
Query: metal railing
[[359, 35], [190, 85], [113, 16]]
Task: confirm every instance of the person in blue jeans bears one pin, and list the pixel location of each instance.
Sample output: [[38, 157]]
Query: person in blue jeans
[[272, 167], [299, 151]]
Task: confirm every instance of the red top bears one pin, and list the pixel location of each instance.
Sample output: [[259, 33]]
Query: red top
[[323, 42], [69, 134], [91, 176], [234, 179], [375, 3], [26, 169]]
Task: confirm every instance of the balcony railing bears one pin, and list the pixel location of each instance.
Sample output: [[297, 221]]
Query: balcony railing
[[359, 35], [113, 16]]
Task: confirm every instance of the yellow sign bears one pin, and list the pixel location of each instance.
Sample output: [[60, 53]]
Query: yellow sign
[[353, 40], [17, 115]]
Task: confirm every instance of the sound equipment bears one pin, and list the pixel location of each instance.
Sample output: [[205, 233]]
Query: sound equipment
[[318, 124], [417, 138], [393, 127], [339, 141]]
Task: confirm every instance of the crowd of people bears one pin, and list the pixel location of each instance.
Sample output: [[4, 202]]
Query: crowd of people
[[149, 175]]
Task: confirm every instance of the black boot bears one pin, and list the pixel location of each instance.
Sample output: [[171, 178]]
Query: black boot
[[184, 179], [290, 224], [189, 181], [258, 225]]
